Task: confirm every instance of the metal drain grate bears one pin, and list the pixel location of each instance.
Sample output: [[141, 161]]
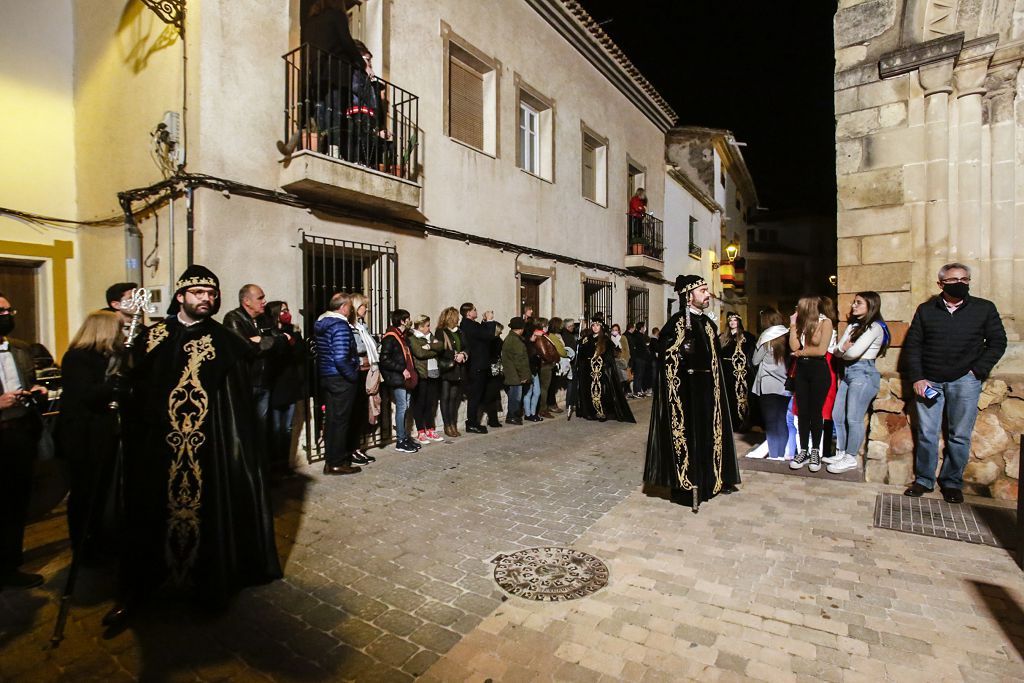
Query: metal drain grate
[[932, 517]]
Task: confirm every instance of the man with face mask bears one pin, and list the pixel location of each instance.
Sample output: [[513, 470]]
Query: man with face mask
[[689, 445], [20, 428], [951, 347]]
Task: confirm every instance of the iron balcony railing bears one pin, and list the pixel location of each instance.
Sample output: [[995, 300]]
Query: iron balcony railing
[[335, 109], [646, 236], [695, 250]]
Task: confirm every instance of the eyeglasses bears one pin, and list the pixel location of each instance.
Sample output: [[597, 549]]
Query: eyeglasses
[[8, 311], [200, 293], [954, 280]]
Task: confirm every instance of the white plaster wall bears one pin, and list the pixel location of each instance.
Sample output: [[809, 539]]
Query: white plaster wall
[[239, 95], [37, 139]]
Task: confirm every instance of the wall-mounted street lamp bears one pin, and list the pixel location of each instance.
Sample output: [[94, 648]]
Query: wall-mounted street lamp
[[732, 251]]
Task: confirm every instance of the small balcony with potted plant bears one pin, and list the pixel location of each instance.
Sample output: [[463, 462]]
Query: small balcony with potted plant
[[349, 138], [645, 244]]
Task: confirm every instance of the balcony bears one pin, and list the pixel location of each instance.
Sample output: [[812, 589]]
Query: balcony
[[354, 139], [645, 244], [695, 251]]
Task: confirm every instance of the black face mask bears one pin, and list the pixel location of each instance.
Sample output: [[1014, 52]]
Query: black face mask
[[6, 325], [957, 290]]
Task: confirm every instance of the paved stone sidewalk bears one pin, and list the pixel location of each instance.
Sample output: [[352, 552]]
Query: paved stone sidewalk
[[385, 571], [387, 577], [785, 581]]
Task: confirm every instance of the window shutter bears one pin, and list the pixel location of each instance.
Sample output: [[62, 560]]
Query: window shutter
[[465, 104], [589, 170]]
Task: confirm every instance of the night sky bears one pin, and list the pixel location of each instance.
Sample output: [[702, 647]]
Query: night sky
[[761, 69]]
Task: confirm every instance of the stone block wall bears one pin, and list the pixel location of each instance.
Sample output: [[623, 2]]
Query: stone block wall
[[929, 107], [995, 447]]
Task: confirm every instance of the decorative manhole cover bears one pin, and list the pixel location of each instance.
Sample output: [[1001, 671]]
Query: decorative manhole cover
[[550, 574]]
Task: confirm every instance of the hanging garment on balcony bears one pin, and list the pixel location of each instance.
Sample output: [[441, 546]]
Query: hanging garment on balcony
[[728, 276]]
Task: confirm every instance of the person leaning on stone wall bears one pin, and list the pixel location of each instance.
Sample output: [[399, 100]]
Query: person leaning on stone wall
[[951, 347]]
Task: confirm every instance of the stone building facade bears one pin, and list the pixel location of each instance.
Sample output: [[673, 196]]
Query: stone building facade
[[929, 104]]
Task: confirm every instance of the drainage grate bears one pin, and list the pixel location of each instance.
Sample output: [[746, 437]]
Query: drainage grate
[[932, 517], [550, 574]]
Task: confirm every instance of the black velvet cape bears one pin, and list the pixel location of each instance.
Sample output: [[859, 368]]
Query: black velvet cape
[[739, 371], [197, 502], [689, 444], [599, 393]]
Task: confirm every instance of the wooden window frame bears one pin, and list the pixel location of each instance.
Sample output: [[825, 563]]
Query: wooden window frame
[[485, 65], [600, 166]]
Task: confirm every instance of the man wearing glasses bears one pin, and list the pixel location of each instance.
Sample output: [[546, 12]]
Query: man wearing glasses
[[196, 497], [20, 428], [951, 347]]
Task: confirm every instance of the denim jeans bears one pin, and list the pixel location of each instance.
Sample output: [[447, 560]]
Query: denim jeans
[[281, 431], [401, 396], [515, 400], [958, 400], [791, 446], [773, 409], [857, 388], [532, 397]]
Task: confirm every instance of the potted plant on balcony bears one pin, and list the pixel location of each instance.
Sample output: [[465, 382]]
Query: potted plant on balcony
[[637, 247], [310, 138]]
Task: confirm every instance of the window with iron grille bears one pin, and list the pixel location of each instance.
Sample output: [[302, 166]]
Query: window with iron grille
[[695, 250], [330, 266], [638, 305], [597, 298]]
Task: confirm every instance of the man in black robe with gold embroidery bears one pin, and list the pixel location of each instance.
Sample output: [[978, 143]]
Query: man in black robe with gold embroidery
[[689, 445], [197, 504]]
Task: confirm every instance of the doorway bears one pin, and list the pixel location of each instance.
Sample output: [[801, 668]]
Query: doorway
[[19, 281], [529, 293]]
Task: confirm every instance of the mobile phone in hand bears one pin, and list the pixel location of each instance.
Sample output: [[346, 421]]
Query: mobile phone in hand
[[930, 392]]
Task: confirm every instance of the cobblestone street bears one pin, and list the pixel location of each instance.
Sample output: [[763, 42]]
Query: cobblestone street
[[388, 577]]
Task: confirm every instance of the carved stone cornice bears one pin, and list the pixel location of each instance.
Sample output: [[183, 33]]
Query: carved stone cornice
[[908, 59]]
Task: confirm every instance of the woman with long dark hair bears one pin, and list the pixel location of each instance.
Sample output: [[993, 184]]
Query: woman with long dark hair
[[810, 334], [865, 339], [737, 359], [599, 393], [367, 392], [288, 388], [770, 358]]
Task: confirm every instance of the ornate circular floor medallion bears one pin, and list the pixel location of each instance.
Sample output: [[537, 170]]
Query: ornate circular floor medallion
[[550, 574]]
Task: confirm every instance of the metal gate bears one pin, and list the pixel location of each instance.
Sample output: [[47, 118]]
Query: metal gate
[[638, 305], [597, 298], [330, 266]]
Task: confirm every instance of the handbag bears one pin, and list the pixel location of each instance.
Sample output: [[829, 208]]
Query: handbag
[[373, 380]]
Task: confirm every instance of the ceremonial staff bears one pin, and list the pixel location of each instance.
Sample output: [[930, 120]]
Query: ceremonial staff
[[138, 304]]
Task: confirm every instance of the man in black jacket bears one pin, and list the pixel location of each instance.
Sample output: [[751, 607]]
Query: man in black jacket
[[953, 343], [20, 428], [266, 344], [478, 337]]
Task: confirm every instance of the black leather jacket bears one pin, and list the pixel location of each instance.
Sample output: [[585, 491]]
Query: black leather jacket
[[264, 354]]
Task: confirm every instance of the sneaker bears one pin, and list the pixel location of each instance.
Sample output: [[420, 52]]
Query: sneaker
[[815, 460], [844, 464], [799, 460], [404, 446], [838, 456], [434, 436], [422, 438]]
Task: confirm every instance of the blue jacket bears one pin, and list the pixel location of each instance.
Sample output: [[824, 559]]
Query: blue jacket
[[336, 348]]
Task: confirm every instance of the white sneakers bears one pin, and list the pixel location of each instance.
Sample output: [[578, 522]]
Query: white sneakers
[[844, 463], [829, 459]]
